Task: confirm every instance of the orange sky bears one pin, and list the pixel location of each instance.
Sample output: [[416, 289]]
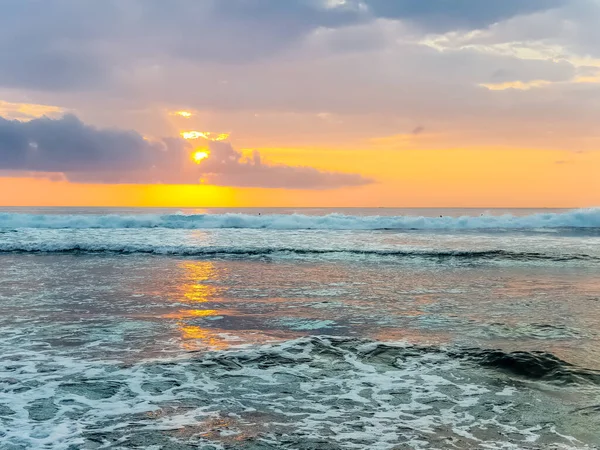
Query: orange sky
[[477, 177]]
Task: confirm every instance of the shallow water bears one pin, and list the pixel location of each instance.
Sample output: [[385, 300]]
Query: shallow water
[[323, 339]]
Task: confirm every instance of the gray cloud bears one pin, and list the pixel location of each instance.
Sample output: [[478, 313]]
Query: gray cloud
[[83, 44], [67, 144], [48, 45], [406, 79], [225, 166], [265, 69], [79, 44], [88, 154], [441, 16]]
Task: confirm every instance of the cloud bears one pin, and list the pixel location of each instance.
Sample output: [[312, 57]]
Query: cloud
[[78, 44], [442, 16], [227, 167], [87, 154], [266, 69], [67, 144]]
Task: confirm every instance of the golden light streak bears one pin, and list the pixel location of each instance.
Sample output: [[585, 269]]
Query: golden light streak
[[184, 114], [517, 85], [205, 135], [185, 314], [588, 80], [206, 337], [27, 111]]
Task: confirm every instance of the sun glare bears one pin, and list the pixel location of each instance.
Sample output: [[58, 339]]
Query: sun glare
[[199, 156]]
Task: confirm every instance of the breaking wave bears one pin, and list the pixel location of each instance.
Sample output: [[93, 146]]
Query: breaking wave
[[582, 218], [207, 252], [535, 366]]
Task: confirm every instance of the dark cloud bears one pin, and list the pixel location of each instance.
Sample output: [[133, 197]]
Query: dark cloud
[[67, 144], [442, 15], [237, 31], [88, 154], [79, 44]]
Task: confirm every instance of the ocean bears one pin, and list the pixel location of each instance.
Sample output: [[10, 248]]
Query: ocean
[[299, 329]]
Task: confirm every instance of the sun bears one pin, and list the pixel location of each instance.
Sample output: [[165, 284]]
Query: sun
[[199, 156]]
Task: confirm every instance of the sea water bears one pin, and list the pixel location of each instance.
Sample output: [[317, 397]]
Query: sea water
[[299, 329]]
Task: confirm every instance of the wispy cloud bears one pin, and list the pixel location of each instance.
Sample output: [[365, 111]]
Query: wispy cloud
[[227, 167]]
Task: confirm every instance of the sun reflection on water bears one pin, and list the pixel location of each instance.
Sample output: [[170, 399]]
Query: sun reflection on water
[[206, 317], [196, 288], [195, 337], [185, 313]]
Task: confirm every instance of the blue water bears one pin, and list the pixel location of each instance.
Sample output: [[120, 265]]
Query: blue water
[[299, 328]]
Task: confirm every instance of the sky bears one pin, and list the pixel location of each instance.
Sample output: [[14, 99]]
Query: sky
[[316, 103]]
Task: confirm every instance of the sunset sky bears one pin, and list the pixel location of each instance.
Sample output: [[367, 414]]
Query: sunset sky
[[449, 103]]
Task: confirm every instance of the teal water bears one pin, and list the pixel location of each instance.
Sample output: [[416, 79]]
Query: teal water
[[121, 332]]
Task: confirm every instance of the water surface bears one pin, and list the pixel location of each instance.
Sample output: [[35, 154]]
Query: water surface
[[299, 329]]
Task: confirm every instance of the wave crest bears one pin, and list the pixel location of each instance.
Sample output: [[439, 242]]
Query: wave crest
[[582, 218], [534, 365], [245, 252]]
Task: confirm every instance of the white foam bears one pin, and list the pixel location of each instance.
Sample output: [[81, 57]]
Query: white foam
[[582, 218], [319, 390]]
